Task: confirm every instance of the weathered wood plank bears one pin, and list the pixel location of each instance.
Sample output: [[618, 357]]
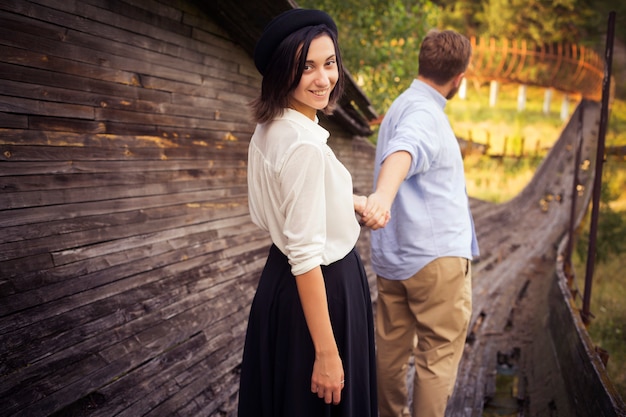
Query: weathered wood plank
[[153, 340], [54, 64], [68, 95], [211, 141], [13, 121], [207, 373], [75, 245], [194, 391], [76, 294], [45, 108], [226, 150], [83, 85], [46, 274], [214, 176], [127, 325], [131, 117], [119, 54], [119, 393], [51, 197], [128, 260], [72, 167], [86, 209], [63, 124], [209, 88]]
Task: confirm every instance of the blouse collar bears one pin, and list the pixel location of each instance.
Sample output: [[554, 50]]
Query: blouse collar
[[312, 126]]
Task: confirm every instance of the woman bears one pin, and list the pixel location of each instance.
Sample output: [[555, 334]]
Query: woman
[[309, 348]]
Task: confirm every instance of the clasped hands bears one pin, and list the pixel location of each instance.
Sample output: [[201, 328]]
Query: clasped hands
[[374, 210]]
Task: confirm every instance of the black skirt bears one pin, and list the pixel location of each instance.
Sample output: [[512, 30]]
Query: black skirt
[[278, 353]]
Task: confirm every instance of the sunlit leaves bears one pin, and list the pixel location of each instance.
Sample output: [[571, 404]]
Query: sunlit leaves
[[379, 40]]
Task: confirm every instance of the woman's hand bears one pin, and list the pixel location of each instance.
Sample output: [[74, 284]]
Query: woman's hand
[[327, 379], [359, 203], [327, 376], [377, 212], [371, 211]]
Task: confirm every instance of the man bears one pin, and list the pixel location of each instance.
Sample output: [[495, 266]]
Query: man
[[422, 258]]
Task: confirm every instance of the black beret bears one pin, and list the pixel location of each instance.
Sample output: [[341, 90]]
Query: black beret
[[282, 26]]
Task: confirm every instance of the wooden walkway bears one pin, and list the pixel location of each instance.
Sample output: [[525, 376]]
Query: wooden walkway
[[509, 365]]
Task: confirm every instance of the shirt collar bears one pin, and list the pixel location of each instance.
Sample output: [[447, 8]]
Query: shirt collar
[[436, 95], [312, 126]]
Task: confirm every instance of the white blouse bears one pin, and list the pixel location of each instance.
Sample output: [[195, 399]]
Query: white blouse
[[300, 192]]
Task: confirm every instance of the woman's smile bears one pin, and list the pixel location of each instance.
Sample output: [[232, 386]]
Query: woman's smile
[[318, 78]]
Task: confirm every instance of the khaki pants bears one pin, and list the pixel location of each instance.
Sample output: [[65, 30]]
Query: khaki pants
[[434, 308]]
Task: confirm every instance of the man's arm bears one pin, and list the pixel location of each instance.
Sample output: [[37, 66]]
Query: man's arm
[[392, 173]]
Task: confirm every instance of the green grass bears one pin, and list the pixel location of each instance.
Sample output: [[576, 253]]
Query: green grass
[[498, 179], [616, 132], [532, 133], [608, 326], [473, 118]]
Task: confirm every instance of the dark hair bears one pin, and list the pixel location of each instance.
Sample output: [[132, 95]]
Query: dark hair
[[443, 55], [284, 71]]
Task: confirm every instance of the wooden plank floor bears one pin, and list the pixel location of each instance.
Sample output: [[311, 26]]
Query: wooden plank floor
[[510, 340]]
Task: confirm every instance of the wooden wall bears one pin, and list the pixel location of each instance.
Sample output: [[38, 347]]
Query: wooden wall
[[127, 257]]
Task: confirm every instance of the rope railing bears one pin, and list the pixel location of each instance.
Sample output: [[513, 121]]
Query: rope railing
[[571, 68]]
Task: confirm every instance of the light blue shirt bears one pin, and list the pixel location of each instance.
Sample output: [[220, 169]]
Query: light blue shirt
[[430, 216]]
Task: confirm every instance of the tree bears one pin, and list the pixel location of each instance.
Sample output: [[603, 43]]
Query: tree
[[379, 41], [542, 21], [460, 15]]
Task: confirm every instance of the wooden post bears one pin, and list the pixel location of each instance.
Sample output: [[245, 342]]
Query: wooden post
[[547, 98], [521, 98], [565, 107], [463, 89], [493, 93]]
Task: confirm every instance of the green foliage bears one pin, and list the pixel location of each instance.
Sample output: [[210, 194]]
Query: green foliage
[[541, 21], [460, 15], [610, 239], [608, 327], [611, 236], [616, 131], [498, 180], [379, 41], [503, 127], [596, 27]]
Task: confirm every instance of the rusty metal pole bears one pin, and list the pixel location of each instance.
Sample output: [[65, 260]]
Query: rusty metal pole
[[597, 181]]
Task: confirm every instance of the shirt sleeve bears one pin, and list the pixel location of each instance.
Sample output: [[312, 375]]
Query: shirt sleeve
[[415, 133], [304, 206]]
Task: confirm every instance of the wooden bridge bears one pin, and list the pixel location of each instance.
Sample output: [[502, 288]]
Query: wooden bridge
[[528, 353]]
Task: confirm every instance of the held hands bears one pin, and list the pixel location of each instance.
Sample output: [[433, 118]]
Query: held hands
[[375, 212], [327, 380]]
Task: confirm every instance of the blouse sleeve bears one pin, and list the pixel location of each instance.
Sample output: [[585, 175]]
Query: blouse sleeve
[[304, 206]]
